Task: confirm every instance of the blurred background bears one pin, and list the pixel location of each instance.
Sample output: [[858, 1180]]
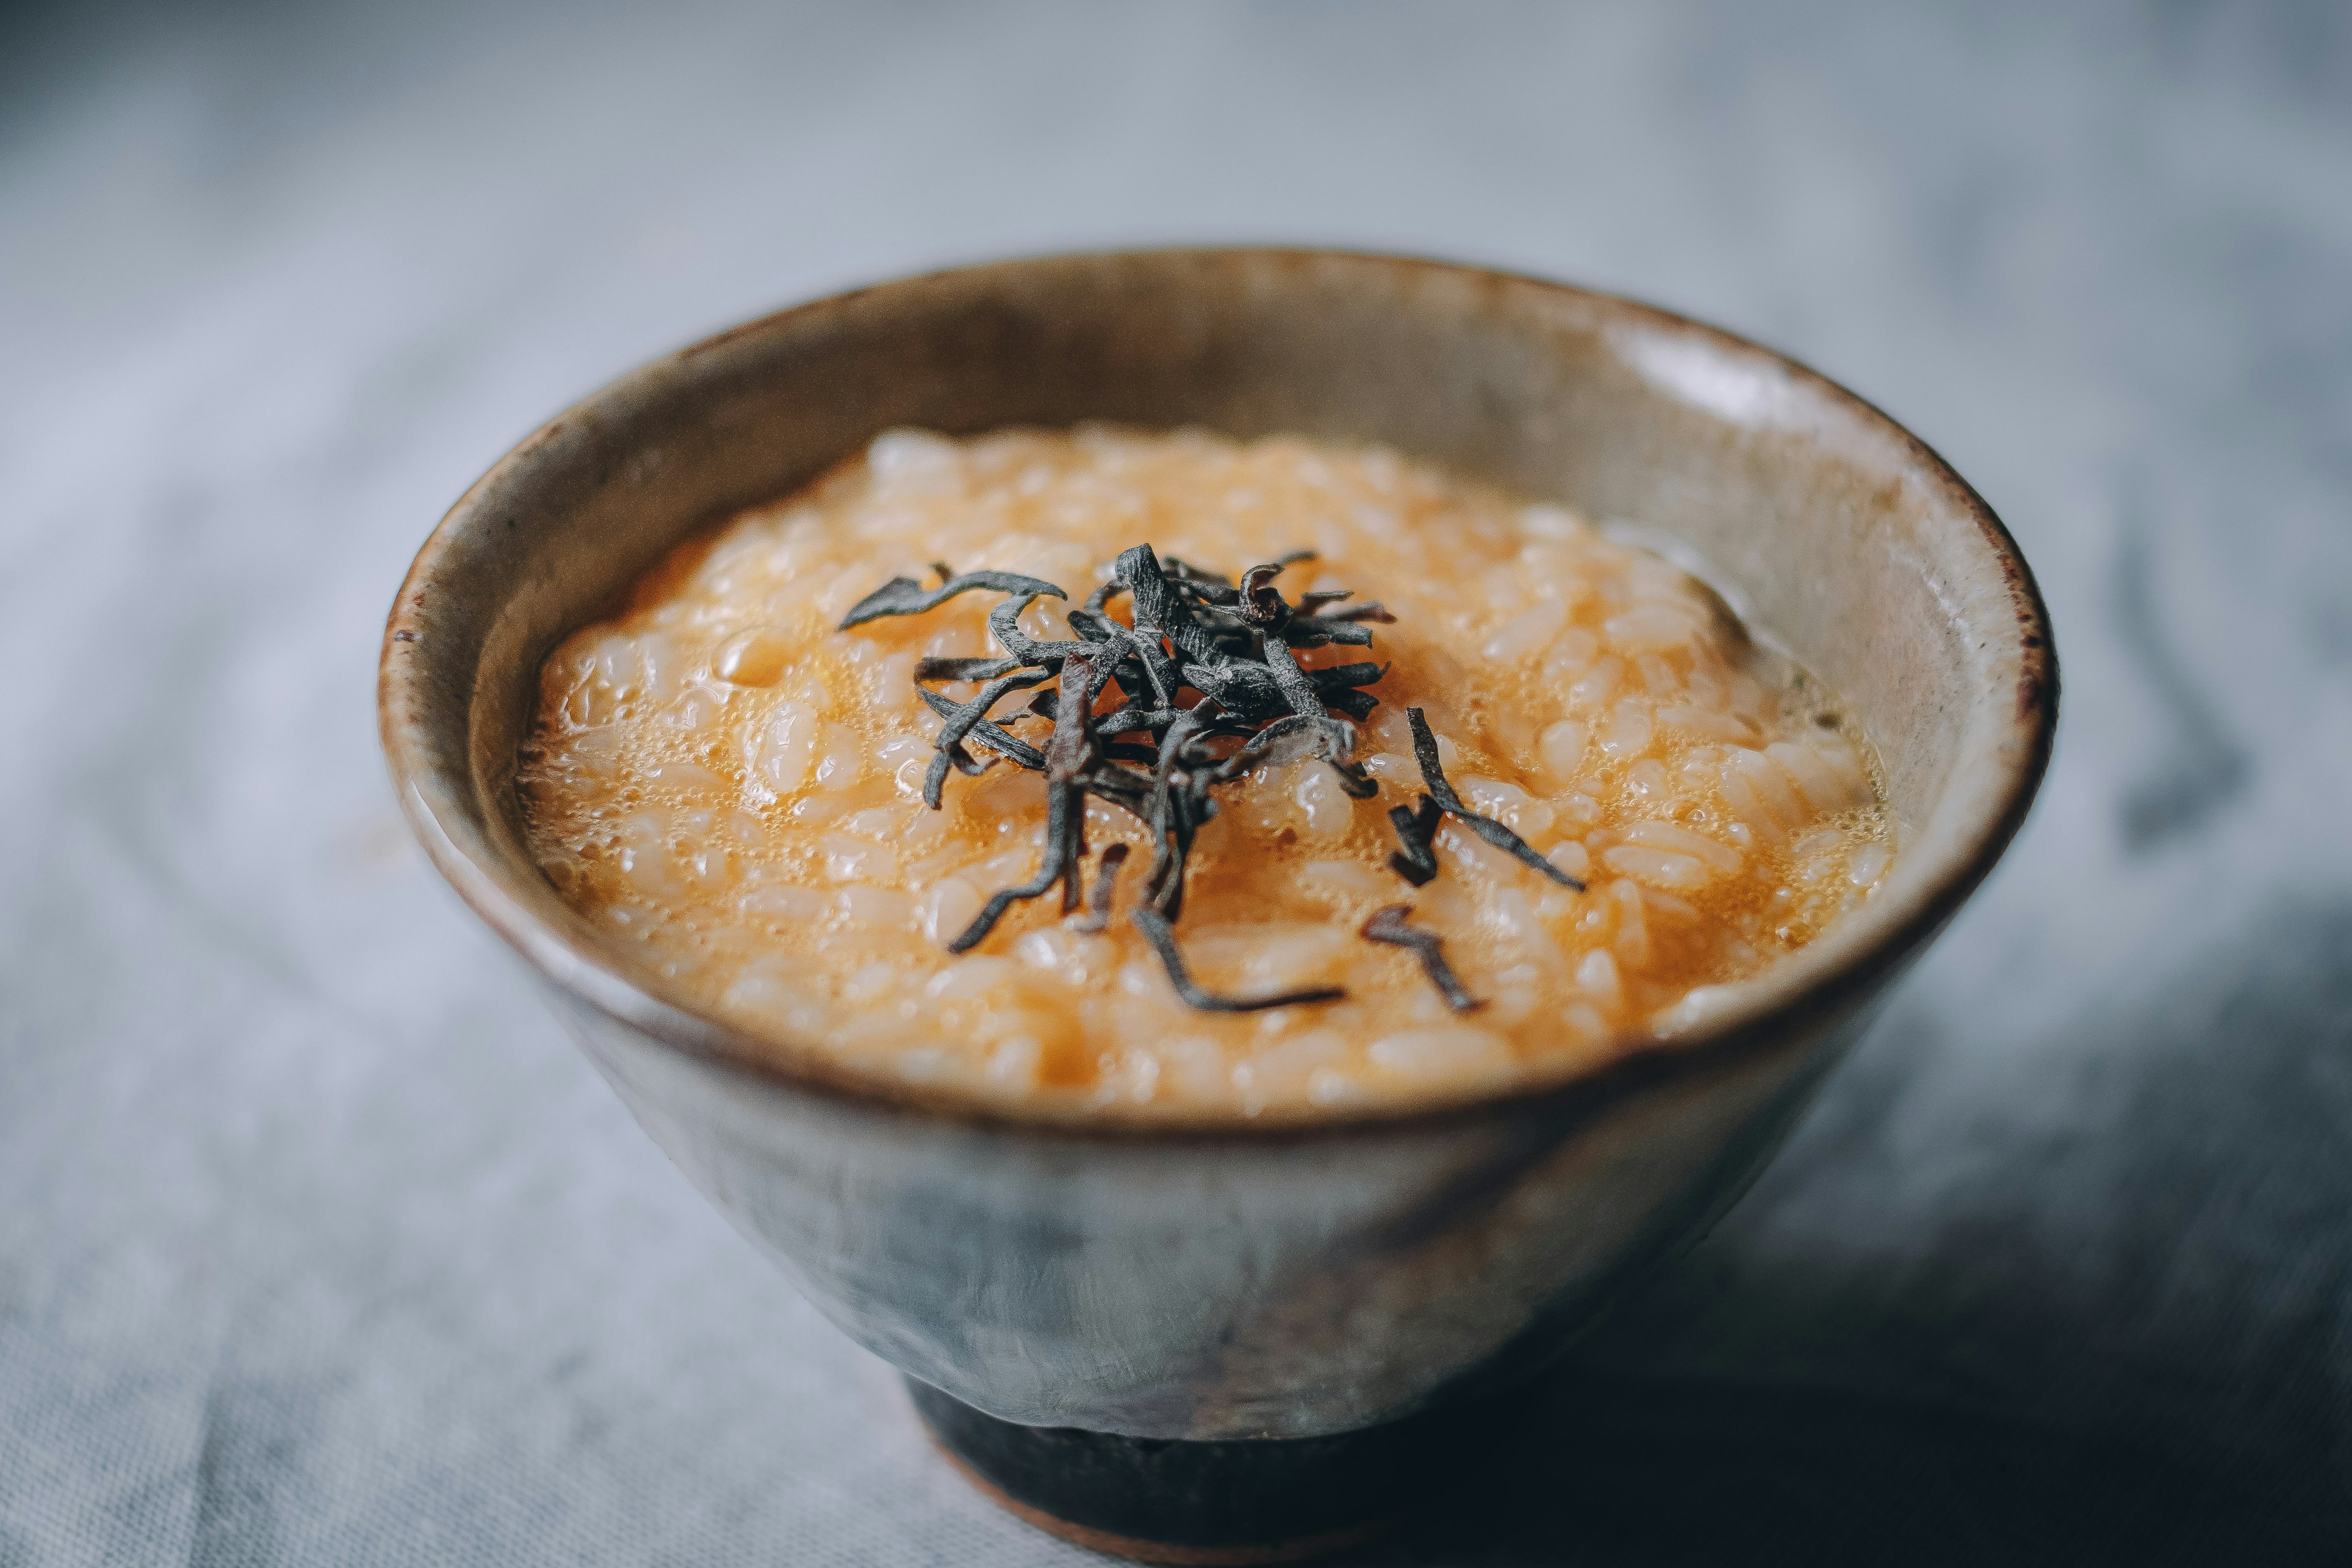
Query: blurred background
[[317, 1243]]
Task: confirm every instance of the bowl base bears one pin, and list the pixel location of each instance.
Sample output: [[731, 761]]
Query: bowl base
[[1169, 1500]]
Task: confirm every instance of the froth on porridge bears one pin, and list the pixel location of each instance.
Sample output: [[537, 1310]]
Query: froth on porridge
[[1546, 799]]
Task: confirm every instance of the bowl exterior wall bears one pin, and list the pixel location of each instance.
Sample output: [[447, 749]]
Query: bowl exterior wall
[[1268, 1287]]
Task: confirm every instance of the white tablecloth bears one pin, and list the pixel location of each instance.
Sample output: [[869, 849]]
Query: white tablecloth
[[317, 1243]]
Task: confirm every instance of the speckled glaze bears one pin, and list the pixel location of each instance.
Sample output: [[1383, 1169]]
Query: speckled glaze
[[1225, 1282]]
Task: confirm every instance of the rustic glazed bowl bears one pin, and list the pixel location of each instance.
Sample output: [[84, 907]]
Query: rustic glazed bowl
[[1186, 1342]]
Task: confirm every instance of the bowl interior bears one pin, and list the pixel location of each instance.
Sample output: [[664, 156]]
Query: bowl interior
[[1853, 544]]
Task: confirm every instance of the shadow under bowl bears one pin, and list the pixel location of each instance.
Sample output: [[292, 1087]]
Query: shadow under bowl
[[1154, 1288]]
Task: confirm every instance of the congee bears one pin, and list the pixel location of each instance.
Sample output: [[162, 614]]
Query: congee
[[1161, 775]]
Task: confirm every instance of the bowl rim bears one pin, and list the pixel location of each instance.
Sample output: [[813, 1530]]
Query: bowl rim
[[582, 967]]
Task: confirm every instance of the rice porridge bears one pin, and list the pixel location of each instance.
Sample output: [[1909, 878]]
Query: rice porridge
[[1274, 778]]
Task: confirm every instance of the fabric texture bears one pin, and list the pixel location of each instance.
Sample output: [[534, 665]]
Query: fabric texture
[[320, 1244]]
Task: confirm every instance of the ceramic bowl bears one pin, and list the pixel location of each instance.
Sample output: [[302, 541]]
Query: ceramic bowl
[[1201, 1317]]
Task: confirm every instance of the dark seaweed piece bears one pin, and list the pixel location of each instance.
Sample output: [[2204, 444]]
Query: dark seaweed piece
[[1253, 582], [1129, 721], [1098, 915], [1424, 752], [1024, 648], [1123, 787], [1134, 677], [1194, 629], [1320, 631], [959, 724], [1143, 670], [1214, 587], [1156, 931], [905, 596], [1297, 689], [1160, 608], [1171, 829], [989, 733], [1248, 688], [1262, 602], [1180, 803], [1064, 759], [1417, 861], [1067, 752], [1370, 610], [1283, 740], [1061, 806], [935, 777], [1388, 926], [1337, 675], [1158, 669], [1091, 626], [967, 714], [1272, 618], [934, 669], [1338, 745]]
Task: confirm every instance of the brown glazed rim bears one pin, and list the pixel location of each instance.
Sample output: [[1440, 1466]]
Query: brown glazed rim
[[1832, 973]]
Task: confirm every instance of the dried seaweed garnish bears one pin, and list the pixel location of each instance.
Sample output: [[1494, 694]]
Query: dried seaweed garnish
[[1388, 926], [991, 735], [1161, 610], [905, 596], [1098, 915], [930, 669], [1002, 622], [1059, 803], [1163, 938], [1415, 826], [1067, 756], [1432, 774], [1154, 754], [1333, 675], [960, 724]]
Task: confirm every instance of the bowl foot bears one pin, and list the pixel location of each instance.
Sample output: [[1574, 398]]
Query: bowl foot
[[1163, 1501]]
